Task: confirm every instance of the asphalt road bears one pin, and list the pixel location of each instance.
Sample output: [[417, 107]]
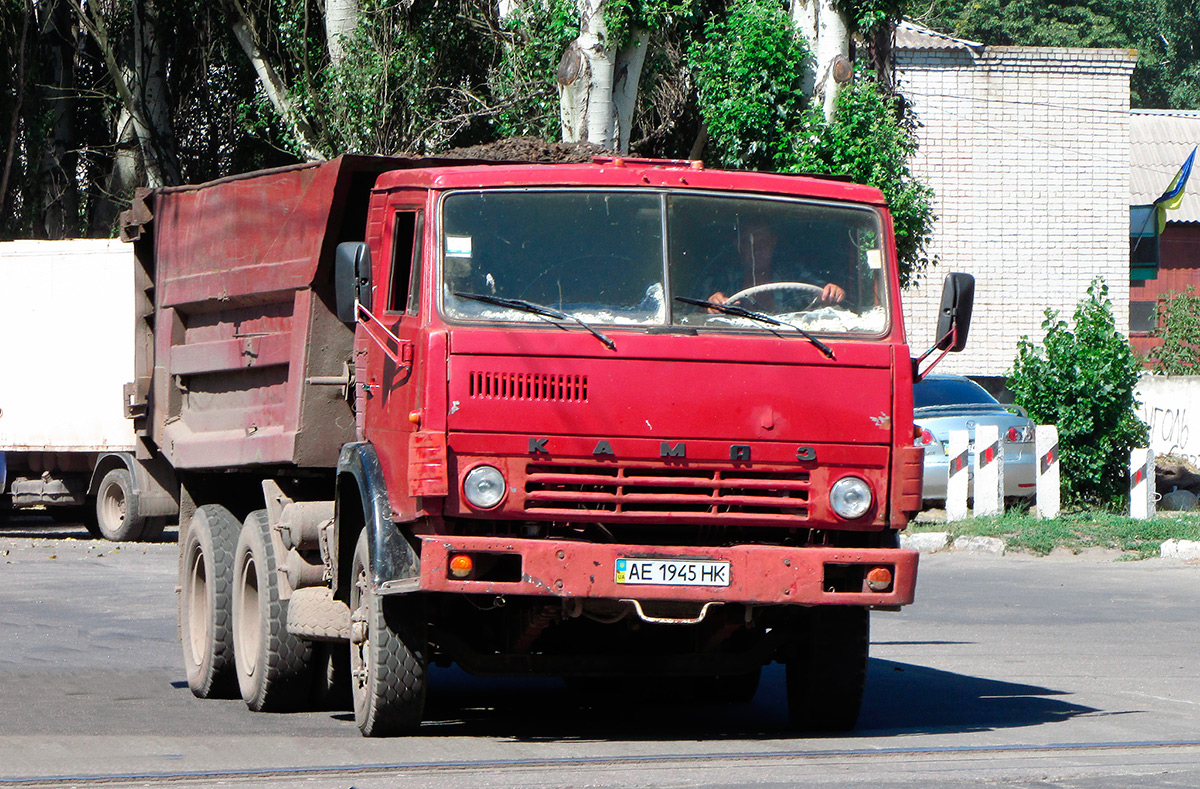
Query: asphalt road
[[1019, 671]]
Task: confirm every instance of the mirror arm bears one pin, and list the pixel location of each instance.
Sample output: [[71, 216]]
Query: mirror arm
[[371, 325], [952, 335]]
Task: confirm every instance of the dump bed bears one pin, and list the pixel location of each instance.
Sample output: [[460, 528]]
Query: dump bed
[[236, 314], [66, 321]]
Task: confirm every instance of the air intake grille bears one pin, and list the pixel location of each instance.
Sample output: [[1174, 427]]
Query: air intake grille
[[529, 386], [728, 495]]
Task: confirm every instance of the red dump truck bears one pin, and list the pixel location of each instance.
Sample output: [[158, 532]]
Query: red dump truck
[[620, 419]]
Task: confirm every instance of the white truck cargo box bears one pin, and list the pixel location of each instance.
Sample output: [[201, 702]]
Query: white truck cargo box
[[66, 319]]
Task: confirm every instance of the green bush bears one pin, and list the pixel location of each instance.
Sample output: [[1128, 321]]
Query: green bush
[[1179, 329], [872, 140], [1082, 381], [749, 69]]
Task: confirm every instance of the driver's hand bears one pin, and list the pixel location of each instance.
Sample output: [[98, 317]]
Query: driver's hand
[[832, 294], [717, 298]]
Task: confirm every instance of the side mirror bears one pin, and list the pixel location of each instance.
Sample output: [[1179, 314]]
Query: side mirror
[[351, 278], [954, 315]]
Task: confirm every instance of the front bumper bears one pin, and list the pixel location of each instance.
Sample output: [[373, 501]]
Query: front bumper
[[758, 574]]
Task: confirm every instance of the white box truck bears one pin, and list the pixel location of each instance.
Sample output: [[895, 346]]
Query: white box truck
[[67, 318]]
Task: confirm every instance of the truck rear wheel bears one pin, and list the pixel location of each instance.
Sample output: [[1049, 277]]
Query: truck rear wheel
[[274, 667], [388, 654], [827, 673], [117, 518], [206, 603]]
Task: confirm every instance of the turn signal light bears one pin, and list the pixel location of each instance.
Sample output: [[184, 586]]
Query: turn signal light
[[461, 565], [879, 579]]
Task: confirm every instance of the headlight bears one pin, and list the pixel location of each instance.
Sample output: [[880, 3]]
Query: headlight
[[850, 497], [484, 487]]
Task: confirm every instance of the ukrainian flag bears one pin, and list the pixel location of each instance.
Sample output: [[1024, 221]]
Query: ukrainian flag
[[1174, 195]]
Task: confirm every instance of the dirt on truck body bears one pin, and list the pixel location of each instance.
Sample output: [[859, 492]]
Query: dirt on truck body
[[604, 419]]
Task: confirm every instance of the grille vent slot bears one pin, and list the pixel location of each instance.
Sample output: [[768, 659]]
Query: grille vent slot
[[530, 386]]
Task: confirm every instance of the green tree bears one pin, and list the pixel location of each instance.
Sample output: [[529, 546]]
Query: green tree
[[1179, 329], [1082, 380], [868, 142], [749, 67], [1166, 34]]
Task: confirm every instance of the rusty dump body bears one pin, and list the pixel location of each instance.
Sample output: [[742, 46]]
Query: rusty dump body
[[235, 315], [537, 415]]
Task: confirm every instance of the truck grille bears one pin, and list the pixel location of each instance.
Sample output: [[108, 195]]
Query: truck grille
[[728, 495], [529, 386]]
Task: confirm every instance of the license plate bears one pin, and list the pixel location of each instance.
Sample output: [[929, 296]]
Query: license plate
[[672, 572]]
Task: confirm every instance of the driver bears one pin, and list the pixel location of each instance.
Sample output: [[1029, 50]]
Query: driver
[[756, 248]]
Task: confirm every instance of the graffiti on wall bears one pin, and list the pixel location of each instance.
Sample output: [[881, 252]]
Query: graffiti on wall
[[1169, 406]]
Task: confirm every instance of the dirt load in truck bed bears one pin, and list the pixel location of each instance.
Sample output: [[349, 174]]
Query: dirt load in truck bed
[[528, 149]]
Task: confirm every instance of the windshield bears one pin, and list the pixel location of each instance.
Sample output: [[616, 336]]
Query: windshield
[[601, 257]]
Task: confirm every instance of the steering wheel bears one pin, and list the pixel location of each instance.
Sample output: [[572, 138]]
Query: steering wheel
[[769, 287]]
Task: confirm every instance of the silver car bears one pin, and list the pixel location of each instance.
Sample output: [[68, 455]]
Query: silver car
[[942, 403]]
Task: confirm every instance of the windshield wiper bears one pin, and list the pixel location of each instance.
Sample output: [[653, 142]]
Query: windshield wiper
[[761, 318], [536, 309]]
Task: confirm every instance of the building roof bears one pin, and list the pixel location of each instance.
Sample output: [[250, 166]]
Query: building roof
[[910, 35], [1159, 142]]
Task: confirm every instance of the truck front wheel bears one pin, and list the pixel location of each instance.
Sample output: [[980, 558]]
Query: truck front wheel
[[117, 518], [828, 669], [205, 601], [388, 654]]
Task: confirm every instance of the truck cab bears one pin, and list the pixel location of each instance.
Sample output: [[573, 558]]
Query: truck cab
[[621, 422]]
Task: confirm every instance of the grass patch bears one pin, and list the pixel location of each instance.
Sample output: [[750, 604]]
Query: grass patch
[[1075, 531]]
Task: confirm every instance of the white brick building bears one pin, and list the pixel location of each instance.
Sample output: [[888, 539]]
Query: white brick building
[[1027, 150]]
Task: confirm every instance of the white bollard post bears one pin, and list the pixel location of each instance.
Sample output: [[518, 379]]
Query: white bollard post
[[1141, 484], [989, 476], [1049, 488], [959, 475]]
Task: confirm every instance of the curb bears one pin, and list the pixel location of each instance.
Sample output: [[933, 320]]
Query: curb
[[939, 541], [1180, 549]]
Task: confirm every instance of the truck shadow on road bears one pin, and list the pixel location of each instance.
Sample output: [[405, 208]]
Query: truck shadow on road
[[901, 698]]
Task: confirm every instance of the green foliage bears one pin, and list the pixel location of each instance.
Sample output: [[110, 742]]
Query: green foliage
[[1077, 531], [1083, 382], [1166, 34], [1179, 329], [623, 18], [523, 81], [749, 67], [407, 81], [867, 16], [866, 142]]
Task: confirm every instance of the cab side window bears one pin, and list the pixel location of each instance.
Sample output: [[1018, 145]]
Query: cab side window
[[404, 290]]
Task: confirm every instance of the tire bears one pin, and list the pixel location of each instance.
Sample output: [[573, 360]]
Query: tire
[[827, 672], [206, 602], [117, 517], [388, 654], [274, 667]]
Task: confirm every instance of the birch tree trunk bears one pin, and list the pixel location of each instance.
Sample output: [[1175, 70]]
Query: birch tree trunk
[[150, 79], [158, 154], [828, 39], [341, 18], [272, 84], [122, 178], [58, 198], [585, 77], [625, 90]]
